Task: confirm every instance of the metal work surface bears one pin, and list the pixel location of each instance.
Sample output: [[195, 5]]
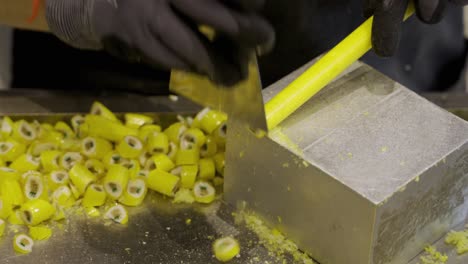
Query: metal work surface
[[365, 159], [157, 232]]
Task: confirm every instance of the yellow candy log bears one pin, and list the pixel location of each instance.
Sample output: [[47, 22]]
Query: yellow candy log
[[187, 157], [35, 212], [130, 147], [96, 167], [321, 73], [187, 174], [204, 192], [25, 162], [192, 138], [137, 120], [99, 109], [94, 196], [22, 244], [34, 188], [93, 147], [133, 167], [175, 131], [157, 143], [12, 193], [135, 193], [11, 149], [5, 208], [81, 177], [63, 196], [113, 158], [115, 181], [2, 227], [23, 132], [50, 160], [220, 160], [70, 159], [65, 129], [162, 162], [57, 178], [2, 163], [207, 169], [210, 147], [38, 147], [226, 248], [118, 214], [6, 127], [40, 232], [163, 182], [145, 131], [102, 127]]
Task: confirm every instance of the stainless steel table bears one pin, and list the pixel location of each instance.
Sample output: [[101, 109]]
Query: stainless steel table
[[157, 231]]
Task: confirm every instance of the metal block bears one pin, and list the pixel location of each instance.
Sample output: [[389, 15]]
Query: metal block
[[367, 172]]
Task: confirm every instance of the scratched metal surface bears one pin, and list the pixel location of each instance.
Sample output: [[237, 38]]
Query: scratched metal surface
[[157, 232]]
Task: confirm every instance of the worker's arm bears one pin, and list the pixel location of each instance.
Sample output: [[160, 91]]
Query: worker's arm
[[161, 33], [15, 13]]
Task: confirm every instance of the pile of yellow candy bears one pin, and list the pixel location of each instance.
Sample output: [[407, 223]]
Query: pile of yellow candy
[[100, 162]]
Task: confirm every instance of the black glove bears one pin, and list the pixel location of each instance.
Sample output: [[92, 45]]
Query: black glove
[[388, 17], [164, 33]]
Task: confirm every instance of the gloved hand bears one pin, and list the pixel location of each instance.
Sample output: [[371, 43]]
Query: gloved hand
[[388, 17], [164, 33]]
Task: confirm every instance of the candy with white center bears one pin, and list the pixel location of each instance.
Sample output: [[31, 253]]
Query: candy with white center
[[135, 193], [57, 178], [118, 214], [81, 177], [23, 132], [22, 244], [157, 143], [34, 212], [94, 196], [130, 147], [115, 181], [204, 192], [69, 159], [94, 147], [226, 248]]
